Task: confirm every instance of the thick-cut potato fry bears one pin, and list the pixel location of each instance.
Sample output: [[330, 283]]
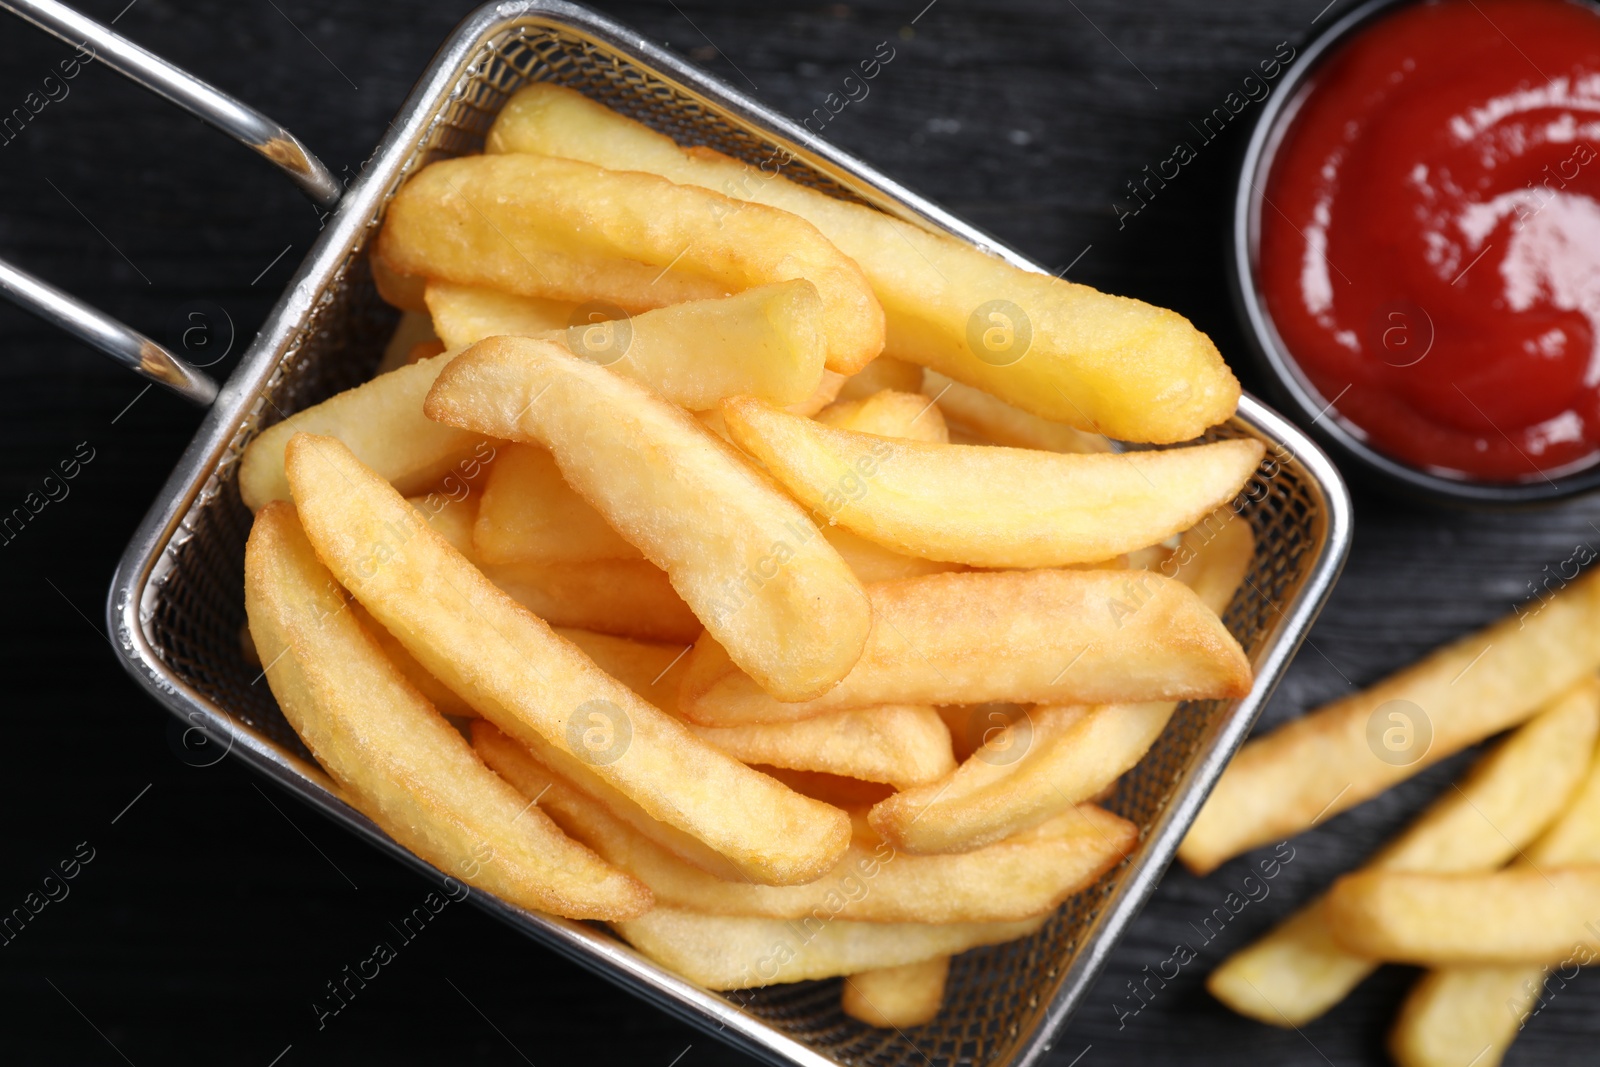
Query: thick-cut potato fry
[[1016, 879], [872, 562], [1298, 971], [626, 597], [1518, 915], [381, 421], [463, 315], [1064, 754], [1472, 1014], [398, 761], [1323, 763], [1465, 1015], [568, 230], [746, 558], [507, 664], [414, 328], [441, 696], [728, 952], [529, 514], [764, 342], [1056, 636], [902, 745], [889, 414], [1000, 423], [654, 671], [882, 373], [897, 997], [403, 291], [1058, 349], [991, 507]]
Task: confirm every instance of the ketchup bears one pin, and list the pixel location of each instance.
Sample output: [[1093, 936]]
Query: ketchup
[[1430, 241]]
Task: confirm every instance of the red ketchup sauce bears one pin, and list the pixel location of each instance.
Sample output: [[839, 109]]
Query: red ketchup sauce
[[1430, 244]]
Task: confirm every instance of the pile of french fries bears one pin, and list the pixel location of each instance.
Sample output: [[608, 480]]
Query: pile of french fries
[[689, 567], [1495, 888]]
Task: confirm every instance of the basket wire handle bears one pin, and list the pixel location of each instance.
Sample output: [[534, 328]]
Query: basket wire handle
[[246, 125]]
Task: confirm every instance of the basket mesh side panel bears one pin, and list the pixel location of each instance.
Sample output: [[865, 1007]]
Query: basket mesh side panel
[[197, 613]]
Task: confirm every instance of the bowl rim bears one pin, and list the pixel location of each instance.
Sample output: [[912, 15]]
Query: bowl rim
[[1314, 413]]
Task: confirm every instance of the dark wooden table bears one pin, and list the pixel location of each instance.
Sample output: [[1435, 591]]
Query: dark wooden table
[[212, 912]]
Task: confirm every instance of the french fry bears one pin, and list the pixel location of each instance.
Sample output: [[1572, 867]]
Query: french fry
[[441, 696], [413, 329], [991, 507], [403, 291], [507, 664], [746, 558], [463, 315], [897, 997], [529, 514], [381, 421], [1298, 971], [1000, 423], [889, 414], [726, 952], [652, 670], [1322, 763], [1019, 878], [901, 745], [763, 342], [400, 763], [872, 562], [568, 230], [1060, 350], [1472, 1014], [1518, 915], [848, 793], [1055, 756], [625, 597], [1049, 636], [882, 373]]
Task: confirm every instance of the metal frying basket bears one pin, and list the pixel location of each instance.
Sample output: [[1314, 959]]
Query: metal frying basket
[[176, 604]]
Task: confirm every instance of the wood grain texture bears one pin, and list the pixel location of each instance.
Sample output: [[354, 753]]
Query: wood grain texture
[[213, 914]]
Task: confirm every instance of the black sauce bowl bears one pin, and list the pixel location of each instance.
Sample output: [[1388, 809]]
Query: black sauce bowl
[[1293, 390]]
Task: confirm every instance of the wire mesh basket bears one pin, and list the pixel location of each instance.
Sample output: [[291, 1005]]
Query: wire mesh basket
[[177, 605]]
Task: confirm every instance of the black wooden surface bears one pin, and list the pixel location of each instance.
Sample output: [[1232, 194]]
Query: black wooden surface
[[212, 913]]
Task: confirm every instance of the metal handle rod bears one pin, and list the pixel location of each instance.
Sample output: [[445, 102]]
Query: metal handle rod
[[128, 347], [246, 125]]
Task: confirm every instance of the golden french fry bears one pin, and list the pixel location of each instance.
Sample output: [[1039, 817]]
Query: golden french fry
[[652, 670], [1060, 350], [882, 373], [1000, 423], [897, 997], [1461, 1014], [746, 558], [764, 342], [901, 745], [398, 761], [1212, 558], [991, 507], [381, 421], [872, 562], [441, 696], [1024, 876], [824, 394], [1298, 971], [847, 793], [1465, 1015], [507, 664], [625, 597], [463, 315], [1328, 760], [1034, 763], [413, 329], [568, 230], [889, 414], [403, 291], [1518, 915], [728, 952], [1056, 636], [529, 514]]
